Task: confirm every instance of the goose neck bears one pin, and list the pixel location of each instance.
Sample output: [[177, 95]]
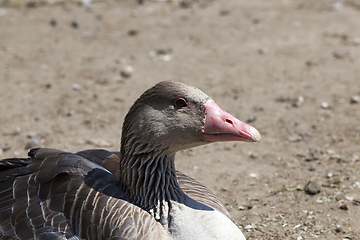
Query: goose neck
[[149, 179]]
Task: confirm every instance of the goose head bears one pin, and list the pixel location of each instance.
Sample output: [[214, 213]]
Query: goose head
[[172, 116]]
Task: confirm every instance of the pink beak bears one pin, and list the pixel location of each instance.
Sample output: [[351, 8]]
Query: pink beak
[[221, 126]]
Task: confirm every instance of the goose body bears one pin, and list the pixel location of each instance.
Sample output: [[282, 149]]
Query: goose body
[[132, 194]]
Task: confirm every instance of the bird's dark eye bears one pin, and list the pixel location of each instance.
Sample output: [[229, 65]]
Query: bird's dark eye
[[180, 103]]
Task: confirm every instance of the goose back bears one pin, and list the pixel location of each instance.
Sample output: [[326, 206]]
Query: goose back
[[55, 194]]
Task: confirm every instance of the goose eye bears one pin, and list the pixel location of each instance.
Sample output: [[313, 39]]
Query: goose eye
[[180, 103]]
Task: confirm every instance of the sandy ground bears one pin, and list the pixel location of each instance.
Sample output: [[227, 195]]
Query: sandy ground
[[290, 68]]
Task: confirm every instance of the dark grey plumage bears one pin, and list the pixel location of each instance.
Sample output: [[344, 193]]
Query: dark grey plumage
[[62, 186]]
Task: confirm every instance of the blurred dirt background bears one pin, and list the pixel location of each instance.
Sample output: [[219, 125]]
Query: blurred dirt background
[[291, 68]]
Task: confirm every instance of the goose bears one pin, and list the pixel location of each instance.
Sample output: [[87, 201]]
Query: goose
[[133, 194]]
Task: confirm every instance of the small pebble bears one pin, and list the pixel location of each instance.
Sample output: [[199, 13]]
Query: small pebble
[[344, 207], [53, 22], [339, 197], [313, 167], [325, 105], [297, 226], [242, 208], [314, 62], [161, 54], [75, 23], [342, 54], [34, 142], [247, 227], [224, 12], [253, 155], [251, 119], [313, 187], [294, 138], [355, 99], [70, 113], [190, 153], [133, 32], [127, 71], [262, 51], [253, 175], [329, 175], [76, 87]]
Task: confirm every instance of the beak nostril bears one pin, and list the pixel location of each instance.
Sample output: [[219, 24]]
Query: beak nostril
[[229, 121]]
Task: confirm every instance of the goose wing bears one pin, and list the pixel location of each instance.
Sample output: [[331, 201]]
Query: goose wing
[[59, 195]]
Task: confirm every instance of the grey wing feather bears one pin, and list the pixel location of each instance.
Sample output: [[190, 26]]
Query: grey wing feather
[[61, 195], [200, 193]]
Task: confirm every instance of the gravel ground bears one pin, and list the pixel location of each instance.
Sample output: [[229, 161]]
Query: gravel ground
[[291, 68]]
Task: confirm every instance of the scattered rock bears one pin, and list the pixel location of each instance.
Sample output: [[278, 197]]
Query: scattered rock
[[313, 167], [16, 131], [53, 22], [253, 155], [70, 113], [298, 101], [329, 175], [294, 138], [314, 62], [133, 32], [191, 153], [340, 197], [344, 206], [242, 208], [5, 147], [35, 141], [335, 156], [248, 227], [330, 152], [283, 99], [251, 119], [75, 23], [253, 175], [355, 41], [295, 102], [102, 81], [355, 99], [313, 187], [127, 71], [325, 105], [161, 54], [338, 228], [247, 207], [342, 54], [118, 99], [314, 155], [76, 87], [224, 12], [262, 51]]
